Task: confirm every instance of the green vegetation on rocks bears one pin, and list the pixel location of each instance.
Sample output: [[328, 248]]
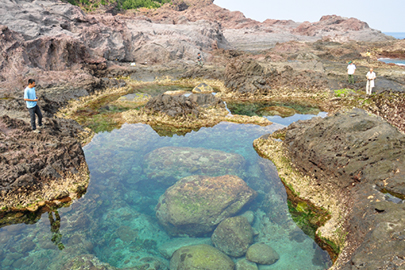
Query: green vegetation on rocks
[[119, 4]]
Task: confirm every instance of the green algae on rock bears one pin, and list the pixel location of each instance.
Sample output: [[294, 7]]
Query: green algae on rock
[[195, 205], [169, 164], [200, 257], [303, 188]]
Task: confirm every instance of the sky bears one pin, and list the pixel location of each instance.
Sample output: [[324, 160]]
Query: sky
[[383, 15]]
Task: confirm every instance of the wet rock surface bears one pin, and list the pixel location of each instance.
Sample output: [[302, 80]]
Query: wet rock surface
[[196, 204], [29, 160], [361, 156]]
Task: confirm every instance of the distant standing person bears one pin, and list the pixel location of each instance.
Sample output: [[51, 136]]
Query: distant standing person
[[368, 55], [370, 81], [31, 99], [199, 60], [351, 68]]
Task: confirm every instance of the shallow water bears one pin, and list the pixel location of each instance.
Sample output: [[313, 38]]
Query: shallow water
[[115, 220]]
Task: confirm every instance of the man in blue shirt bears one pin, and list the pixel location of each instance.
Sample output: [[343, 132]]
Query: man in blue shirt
[[31, 99]]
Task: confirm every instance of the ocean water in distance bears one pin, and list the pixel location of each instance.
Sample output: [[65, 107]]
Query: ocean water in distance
[[397, 35], [399, 62]]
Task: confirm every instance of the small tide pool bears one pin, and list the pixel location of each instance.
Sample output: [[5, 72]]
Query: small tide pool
[[115, 224]]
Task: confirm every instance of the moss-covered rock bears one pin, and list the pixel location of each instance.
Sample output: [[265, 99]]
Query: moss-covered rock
[[169, 164], [203, 88], [200, 257], [262, 254], [195, 205], [233, 236]]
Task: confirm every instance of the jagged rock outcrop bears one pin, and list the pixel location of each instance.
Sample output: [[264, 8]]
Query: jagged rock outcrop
[[249, 77], [40, 164]]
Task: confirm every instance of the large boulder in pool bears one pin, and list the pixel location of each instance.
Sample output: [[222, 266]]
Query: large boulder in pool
[[169, 164], [195, 205], [200, 257], [233, 236]]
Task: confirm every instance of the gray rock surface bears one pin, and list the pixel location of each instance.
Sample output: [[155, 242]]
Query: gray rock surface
[[361, 156]]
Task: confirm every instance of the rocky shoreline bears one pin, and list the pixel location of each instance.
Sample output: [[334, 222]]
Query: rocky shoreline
[[333, 166]]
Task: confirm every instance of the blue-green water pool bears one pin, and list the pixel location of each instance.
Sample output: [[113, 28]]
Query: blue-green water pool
[[115, 221]]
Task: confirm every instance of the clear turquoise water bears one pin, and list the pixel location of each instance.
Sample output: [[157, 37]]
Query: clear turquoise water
[[115, 221]]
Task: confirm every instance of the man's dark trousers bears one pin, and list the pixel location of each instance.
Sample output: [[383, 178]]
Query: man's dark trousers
[[37, 111]]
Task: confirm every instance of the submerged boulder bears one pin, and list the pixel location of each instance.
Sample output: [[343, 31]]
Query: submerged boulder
[[246, 265], [195, 205], [200, 257], [169, 164], [233, 236], [277, 110], [262, 254]]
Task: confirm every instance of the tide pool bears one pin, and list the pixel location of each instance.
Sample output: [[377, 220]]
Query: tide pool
[[114, 223]]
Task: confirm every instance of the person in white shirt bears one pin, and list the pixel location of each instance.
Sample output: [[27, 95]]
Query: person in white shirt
[[370, 81], [351, 68]]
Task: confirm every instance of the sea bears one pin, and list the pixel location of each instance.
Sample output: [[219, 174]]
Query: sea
[[397, 35], [400, 62]]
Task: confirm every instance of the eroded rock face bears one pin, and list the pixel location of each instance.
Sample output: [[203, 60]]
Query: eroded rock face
[[29, 161], [357, 155], [249, 77], [233, 236], [196, 204], [169, 164], [43, 36], [200, 257]]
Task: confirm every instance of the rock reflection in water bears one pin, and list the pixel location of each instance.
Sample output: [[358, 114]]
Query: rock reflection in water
[[114, 224]]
